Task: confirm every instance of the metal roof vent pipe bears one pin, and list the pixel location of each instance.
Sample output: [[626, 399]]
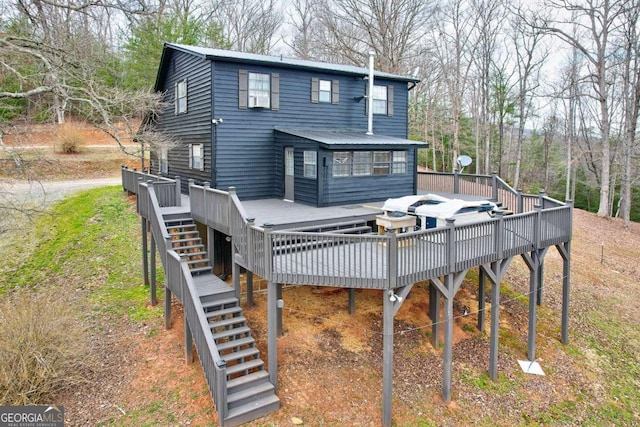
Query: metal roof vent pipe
[[372, 55]]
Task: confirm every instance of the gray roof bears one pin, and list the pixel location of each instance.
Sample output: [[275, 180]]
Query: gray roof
[[234, 56], [334, 139]]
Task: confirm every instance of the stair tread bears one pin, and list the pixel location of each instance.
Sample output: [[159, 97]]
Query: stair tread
[[190, 239], [227, 322], [246, 379], [253, 351], [268, 401], [223, 312], [196, 261], [243, 394], [220, 302], [200, 270], [231, 332], [235, 343], [251, 364], [187, 247]]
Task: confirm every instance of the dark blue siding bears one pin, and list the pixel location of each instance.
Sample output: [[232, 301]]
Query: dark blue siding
[[194, 126], [246, 151]]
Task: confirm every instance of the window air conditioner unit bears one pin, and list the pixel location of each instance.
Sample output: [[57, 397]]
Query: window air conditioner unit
[[259, 101]]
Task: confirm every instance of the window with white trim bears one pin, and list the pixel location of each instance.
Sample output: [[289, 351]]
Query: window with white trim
[[259, 90], [181, 97], [361, 163], [368, 163], [324, 91], [163, 162], [381, 162], [399, 165], [379, 99], [196, 156], [310, 164], [342, 163]]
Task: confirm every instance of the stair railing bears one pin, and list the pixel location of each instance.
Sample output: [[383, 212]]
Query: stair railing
[[213, 365], [158, 227]]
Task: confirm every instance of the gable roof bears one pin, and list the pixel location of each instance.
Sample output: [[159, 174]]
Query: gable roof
[[340, 139], [281, 61]]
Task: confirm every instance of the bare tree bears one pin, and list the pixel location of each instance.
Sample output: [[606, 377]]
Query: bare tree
[[530, 56], [250, 25], [599, 19]]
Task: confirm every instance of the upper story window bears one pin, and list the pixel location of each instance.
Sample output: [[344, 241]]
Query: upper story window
[[380, 100], [258, 90], [181, 97], [325, 91]]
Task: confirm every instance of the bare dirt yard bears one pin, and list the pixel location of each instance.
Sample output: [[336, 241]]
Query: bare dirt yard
[[330, 363]]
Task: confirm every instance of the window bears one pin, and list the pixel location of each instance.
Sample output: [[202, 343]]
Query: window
[[399, 162], [381, 164], [181, 97], [325, 91], [310, 164], [163, 162], [342, 163], [259, 90], [361, 163], [379, 99], [196, 156], [367, 163], [324, 94]]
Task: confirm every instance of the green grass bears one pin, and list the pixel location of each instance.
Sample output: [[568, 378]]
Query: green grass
[[90, 242]]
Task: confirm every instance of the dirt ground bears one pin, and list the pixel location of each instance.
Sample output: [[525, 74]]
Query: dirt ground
[[330, 363]]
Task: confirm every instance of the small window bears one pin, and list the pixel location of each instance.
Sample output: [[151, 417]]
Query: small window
[[196, 156], [163, 162], [324, 94], [361, 163], [259, 90], [381, 162], [379, 100], [342, 163], [310, 164], [181, 97], [399, 162]]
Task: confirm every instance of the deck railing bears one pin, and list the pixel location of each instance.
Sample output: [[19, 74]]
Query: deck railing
[[212, 364], [168, 190], [180, 282], [390, 260]]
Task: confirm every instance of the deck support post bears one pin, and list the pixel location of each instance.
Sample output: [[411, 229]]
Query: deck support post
[[534, 270], [211, 247], [540, 281], [352, 300], [250, 301], [167, 306], [235, 274], [188, 342], [387, 358], [495, 322], [482, 291], [272, 339], [279, 305], [565, 252], [447, 356], [145, 250], [152, 287], [434, 314]]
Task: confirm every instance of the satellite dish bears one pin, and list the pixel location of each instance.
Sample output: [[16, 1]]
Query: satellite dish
[[464, 161]]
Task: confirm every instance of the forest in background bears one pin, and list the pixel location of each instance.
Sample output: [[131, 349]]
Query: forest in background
[[546, 95]]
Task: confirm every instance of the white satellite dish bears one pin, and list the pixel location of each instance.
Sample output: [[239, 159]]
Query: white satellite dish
[[463, 161]]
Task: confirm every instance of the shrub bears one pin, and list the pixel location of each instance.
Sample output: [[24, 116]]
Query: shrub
[[69, 140], [43, 349]]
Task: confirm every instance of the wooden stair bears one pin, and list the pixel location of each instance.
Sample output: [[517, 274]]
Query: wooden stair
[[250, 394]]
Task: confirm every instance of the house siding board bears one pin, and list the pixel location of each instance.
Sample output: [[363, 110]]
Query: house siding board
[[246, 142], [194, 126]]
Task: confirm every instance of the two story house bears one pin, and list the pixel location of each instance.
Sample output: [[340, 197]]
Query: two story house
[[276, 127]]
